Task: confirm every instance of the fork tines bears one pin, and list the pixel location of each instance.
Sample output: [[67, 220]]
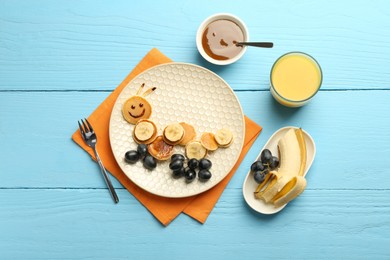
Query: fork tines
[[85, 128]]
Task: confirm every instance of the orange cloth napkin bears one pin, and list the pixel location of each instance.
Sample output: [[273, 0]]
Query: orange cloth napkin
[[164, 209]]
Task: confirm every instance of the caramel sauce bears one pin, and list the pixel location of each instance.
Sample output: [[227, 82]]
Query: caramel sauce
[[219, 39]]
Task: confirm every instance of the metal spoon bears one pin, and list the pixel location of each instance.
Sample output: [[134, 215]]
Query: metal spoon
[[256, 44]]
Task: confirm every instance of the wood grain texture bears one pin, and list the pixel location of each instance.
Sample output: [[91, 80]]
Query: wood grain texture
[[60, 60], [52, 224], [37, 150], [93, 45]]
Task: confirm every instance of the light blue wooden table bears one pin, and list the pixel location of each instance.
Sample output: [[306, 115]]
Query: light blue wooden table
[[60, 59]]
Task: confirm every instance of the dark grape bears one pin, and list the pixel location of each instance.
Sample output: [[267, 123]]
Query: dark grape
[[149, 162], [274, 163], [259, 176], [131, 156], [177, 156], [178, 173], [257, 166], [176, 165], [266, 156], [189, 174], [205, 164], [142, 149], [204, 175], [193, 163]]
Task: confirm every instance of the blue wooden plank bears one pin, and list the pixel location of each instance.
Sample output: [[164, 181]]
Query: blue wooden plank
[[89, 45], [82, 224], [351, 130], [53, 202]]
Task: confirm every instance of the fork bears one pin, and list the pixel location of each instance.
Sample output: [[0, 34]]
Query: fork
[[90, 138]]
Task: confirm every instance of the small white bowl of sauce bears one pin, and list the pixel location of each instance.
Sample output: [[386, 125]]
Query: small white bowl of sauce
[[217, 36]]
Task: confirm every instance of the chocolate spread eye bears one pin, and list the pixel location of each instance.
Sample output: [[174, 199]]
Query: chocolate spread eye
[[141, 105], [132, 107]]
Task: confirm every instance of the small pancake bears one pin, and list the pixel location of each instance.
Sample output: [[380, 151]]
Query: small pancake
[[170, 143], [189, 133], [178, 135], [135, 109], [208, 141], [159, 149], [149, 140]]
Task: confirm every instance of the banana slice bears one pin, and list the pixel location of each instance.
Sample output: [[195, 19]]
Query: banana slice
[[223, 137], [173, 134], [195, 149], [145, 131], [208, 141], [290, 191]]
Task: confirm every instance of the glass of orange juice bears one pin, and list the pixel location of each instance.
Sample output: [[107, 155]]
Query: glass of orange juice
[[295, 78]]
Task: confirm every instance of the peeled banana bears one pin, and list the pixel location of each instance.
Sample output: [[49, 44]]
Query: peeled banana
[[289, 154], [285, 184]]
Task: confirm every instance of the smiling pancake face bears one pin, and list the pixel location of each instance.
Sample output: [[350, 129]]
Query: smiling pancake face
[[135, 109]]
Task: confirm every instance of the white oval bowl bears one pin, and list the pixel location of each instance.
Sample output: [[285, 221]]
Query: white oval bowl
[[250, 184]]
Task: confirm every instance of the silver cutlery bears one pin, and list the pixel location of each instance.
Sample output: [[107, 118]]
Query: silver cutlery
[[256, 44], [90, 138]]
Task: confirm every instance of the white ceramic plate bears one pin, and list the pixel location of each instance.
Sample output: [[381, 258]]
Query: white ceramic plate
[[185, 93], [250, 184]]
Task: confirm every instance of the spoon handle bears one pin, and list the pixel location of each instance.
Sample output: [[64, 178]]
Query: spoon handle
[[256, 44]]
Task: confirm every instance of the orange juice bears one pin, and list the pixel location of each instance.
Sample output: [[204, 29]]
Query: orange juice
[[295, 79]]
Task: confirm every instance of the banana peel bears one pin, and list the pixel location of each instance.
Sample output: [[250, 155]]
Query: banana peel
[[302, 149], [290, 191], [270, 180], [277, 182]]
